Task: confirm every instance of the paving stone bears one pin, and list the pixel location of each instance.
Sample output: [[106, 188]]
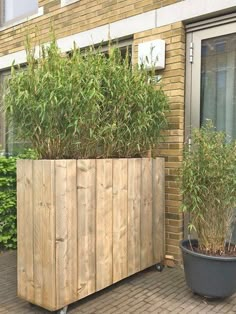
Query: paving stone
[[146, 292]]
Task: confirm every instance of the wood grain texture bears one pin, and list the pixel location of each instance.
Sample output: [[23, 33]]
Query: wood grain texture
[[72, 231], [103, 223], [85, 224], [21, 213], [86, 205], [134, 211], [48, 236], [38, 235], [42, 227], [28, 230], [120, 219], [66, 231], [146, 214], [61, 232], [158, 205]]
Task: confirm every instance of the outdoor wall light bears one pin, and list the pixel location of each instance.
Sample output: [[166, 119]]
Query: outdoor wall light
[[151, 54]]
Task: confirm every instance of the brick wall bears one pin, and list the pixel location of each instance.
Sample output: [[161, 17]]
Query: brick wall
[[77, 17], [172, 148]]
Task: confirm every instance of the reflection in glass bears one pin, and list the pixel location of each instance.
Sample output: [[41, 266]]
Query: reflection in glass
[[218, 82]]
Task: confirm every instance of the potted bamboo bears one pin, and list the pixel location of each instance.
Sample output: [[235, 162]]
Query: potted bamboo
[[208, 179], [90, 210]]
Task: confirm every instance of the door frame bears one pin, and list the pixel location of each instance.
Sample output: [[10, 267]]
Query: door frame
[[195, 33]]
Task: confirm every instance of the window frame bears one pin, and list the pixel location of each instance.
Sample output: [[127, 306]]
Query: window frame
[[1, 12], [19, 19], [123, 44]]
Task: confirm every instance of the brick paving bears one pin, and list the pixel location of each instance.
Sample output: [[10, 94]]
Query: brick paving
[[145, 292]]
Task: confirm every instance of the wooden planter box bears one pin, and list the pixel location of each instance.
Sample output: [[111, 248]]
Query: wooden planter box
[[86, 224]]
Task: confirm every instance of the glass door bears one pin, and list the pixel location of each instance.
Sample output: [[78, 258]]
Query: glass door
[[211, 81], [211, 78]]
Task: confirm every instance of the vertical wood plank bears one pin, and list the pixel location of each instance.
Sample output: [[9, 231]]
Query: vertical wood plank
[[72, 227], [86, 180], [28, 228], [21, 278], [48, 234], [158, 209], [44, 233], [120, 219], [146, 214], [134, 207], [103, 223], [66, 232], [38, 230]]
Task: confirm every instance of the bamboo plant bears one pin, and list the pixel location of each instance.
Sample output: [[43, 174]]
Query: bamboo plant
[[84, 105], [208, 177]]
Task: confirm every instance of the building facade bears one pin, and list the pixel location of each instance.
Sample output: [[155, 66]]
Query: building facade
[[198, 75]]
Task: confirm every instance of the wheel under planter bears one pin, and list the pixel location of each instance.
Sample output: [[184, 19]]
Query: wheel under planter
[[209, 276], [86, 224]]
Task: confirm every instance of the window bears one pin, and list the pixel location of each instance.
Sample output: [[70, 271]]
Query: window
[[218, 93], [2, 117], [124, 45], [8, 143], [13, 10]]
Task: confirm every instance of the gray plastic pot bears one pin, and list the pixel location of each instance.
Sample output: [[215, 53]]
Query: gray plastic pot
[[209, 276]]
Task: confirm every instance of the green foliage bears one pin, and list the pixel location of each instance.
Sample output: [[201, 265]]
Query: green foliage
[[85, 106], [8, 199], [209, 186], [7, 202]]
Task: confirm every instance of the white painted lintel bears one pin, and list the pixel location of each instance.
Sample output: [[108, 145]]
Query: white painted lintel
[[67, 2]]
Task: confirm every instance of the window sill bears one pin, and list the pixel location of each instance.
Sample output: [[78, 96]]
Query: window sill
[[67, 2], [31, 17]]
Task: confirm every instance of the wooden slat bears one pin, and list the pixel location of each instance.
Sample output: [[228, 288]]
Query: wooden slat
[[134, 206], [120, 219], [66, 232], [61, 232], [44, 232], [21, 278], [146, 214], [38, 225], [72, 232], [158, 192], [28, 229], [48, 236], [86, 226], [103, 223]]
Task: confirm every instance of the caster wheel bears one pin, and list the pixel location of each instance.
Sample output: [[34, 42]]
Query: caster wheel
[[31, 304], [63, 310], [159, 267]]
